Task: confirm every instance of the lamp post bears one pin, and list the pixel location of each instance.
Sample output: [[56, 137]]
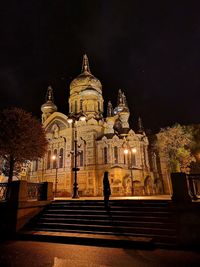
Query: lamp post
[[75, 153], [54, 158], [131, 152]]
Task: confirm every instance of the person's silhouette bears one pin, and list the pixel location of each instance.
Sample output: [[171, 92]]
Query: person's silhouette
[[106, 189]]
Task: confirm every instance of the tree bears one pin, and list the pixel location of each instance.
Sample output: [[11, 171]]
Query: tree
[[175, 144], [21, 137], [195, 147]]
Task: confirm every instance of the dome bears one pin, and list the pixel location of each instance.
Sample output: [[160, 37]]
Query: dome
[[85, 80], [121, 103], [49, 106]]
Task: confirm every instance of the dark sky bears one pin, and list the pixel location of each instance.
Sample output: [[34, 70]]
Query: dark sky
[[149, 49]]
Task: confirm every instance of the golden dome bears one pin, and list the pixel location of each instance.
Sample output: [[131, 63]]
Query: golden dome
[[49, 106], [85, 80]]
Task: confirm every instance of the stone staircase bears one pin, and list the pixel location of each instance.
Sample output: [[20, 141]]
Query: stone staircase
[[127, 222]]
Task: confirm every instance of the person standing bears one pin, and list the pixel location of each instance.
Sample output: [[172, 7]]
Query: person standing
[[106, 189]]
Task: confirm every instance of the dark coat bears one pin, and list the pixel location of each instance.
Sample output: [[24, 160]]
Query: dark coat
[[106, 185]]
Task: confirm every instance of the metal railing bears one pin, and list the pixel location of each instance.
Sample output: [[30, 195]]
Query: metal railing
[[35, 191], [194, 185], [3, 191]]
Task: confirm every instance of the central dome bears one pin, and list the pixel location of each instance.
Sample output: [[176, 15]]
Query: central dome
[[85, 80]]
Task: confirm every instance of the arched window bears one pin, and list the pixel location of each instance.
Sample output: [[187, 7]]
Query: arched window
[[81, 158], [81, 104], [154, 160], [61, 158], [125, 159], [115, 154], [55, 161], [36, 165], [133, 159], [49, 160], [105, 155], [75, 103]]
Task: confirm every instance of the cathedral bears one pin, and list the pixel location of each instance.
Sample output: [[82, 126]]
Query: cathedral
[[84, 144]]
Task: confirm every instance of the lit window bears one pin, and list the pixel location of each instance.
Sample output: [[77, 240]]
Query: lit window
[[115, 154], [133, 159]]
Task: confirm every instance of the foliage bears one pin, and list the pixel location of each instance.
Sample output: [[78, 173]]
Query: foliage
[[21, 137], [5, 167], [175, 143], [195, 147]]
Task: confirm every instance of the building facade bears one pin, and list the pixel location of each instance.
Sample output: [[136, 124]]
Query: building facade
[[85, 143]]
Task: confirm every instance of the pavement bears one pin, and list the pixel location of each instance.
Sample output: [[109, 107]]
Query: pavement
[[18, 253]]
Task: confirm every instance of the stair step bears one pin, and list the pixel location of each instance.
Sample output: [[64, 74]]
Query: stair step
[[107, 221], [94, 238], [123, 229], [112, 202], [64, 206], [129, 219], [105, 216], [127, 212], [161, 239]]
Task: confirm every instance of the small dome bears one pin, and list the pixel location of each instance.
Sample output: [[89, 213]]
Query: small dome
[[121, 103], [85, 80], [49, 106]]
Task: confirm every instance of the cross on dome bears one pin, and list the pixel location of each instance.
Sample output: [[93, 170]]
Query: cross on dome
[[85, 65]]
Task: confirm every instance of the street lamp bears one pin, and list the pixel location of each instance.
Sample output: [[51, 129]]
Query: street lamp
[[131, 152], [75, 152], [54, 158]]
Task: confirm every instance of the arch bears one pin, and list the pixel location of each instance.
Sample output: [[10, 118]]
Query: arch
[[56, 117]]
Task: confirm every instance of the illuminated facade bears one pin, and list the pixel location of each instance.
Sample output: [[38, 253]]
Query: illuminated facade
[[102, 143]]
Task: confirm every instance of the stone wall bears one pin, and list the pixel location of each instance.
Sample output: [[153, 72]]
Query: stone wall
[[18, 209]]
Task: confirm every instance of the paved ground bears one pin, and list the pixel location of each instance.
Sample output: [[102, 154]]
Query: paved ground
[[41, 254]]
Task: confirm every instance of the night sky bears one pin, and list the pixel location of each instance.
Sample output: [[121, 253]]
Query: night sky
[[149, 49]]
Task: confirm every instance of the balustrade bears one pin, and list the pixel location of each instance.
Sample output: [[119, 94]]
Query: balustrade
[[3, 191], [35, 191]]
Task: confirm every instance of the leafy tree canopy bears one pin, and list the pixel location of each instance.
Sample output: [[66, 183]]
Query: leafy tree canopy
[[176, 143], [21, 137]]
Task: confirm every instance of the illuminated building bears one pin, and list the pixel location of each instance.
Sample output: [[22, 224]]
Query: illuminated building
[[101, 143]]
